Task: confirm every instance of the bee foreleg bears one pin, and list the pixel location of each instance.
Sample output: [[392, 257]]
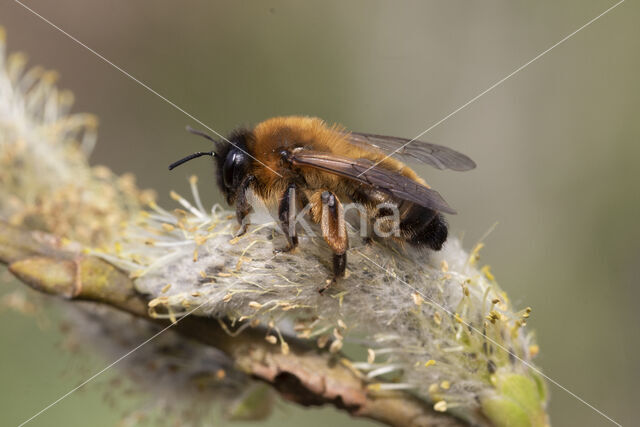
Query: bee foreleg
[[243, 208], [287, 217], [334, 231]]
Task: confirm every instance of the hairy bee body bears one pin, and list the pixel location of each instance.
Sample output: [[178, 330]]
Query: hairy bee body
[[270, 137], [290, 162]]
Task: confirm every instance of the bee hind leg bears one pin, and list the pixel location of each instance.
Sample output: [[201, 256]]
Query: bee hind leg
[[287, 217], [334, 231]]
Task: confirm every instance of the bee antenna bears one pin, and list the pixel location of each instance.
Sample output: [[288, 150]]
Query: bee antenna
[[190, 157], [202, 134]]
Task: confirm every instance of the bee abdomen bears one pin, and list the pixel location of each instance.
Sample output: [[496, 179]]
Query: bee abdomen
[[421, 226]]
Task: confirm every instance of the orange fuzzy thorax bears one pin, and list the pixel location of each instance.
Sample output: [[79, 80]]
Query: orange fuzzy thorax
[[271, 135]]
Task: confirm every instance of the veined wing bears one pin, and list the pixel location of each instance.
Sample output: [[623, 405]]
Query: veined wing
[[385, 180], [435, 155]]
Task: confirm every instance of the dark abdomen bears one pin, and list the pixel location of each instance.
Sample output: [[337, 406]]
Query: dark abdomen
[[421, 226]]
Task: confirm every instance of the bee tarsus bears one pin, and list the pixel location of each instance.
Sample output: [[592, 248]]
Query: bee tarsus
[[329, 283], [287, 216]]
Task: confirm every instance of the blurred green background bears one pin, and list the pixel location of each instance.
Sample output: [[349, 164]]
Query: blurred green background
[[557, 147]]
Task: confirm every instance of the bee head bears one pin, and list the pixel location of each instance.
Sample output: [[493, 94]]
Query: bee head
[[232, 163], [231, 159]]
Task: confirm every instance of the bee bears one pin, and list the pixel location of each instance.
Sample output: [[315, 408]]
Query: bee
[[295, 161]]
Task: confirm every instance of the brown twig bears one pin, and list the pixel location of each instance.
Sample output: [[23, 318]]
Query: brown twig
[[304, 375]]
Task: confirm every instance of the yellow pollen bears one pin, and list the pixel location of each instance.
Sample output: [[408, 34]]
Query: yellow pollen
[[335, 346], [437, 318], [417, 298], [322, 341], [486, 270], [374, 387], [533, 350], [284, 347], [271, 339], [440, 406], [371, 356]]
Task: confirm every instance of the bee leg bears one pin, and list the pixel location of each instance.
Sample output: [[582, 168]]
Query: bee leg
[[368, 239], [334, 231], [287, 217], [243, 208]]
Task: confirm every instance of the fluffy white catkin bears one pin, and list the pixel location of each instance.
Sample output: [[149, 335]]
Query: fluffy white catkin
[[46, 184], [432, 322]]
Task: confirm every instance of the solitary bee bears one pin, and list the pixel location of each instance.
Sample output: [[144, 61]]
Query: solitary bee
[[293, 161]]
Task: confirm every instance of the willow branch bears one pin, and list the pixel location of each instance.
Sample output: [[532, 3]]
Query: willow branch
[[303, 375]]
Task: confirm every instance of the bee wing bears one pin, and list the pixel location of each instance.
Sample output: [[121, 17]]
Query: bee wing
[[424, 152], [378, 177]]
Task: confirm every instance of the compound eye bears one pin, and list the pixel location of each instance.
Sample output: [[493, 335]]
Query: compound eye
[[227, 169]]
